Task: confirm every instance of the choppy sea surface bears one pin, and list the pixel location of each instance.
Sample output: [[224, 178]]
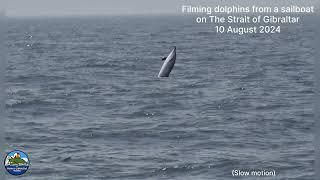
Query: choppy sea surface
[[84, 100]]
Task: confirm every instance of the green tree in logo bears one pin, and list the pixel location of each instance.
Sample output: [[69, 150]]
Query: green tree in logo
[[16, 160]]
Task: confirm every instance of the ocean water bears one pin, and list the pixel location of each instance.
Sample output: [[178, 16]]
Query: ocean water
[[84, 100]]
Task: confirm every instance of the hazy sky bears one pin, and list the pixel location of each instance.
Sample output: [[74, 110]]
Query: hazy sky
[[88, 7], [105, 7]]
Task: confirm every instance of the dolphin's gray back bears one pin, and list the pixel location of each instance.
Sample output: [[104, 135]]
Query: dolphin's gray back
[[168, 64]]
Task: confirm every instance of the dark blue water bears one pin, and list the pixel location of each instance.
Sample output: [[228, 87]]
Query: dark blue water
[[84, 100]]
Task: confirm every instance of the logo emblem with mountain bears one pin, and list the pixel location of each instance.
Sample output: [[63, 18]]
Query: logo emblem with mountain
[[16, 162]]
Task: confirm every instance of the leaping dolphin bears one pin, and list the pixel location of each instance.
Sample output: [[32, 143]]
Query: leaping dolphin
[[168, 64]]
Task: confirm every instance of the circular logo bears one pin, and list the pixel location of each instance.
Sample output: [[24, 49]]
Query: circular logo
[[16, 162]]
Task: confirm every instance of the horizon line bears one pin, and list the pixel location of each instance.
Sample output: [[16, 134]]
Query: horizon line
[[8, 15]]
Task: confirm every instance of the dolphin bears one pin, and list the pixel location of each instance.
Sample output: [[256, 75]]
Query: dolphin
[[168, 64]]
